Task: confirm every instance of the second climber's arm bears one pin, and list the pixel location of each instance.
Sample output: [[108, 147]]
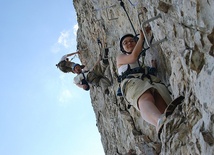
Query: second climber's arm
[[70, 54]]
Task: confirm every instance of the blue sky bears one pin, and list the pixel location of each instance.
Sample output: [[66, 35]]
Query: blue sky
[[41, 111]]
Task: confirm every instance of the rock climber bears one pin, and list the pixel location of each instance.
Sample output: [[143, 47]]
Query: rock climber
[[65, 65], [94, 77], [141, 89]]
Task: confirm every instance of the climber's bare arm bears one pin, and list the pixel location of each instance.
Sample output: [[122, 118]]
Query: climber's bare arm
[[84, 86], [70, 54]]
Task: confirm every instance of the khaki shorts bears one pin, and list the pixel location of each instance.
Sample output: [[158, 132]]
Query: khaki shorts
[[133, 88]]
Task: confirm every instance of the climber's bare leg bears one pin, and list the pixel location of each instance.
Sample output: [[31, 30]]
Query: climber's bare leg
[[159, 102], [148, 109]]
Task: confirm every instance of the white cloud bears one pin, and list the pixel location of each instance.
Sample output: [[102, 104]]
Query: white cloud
[[64, 39], [65, 96], [66, 42], [68, 91]]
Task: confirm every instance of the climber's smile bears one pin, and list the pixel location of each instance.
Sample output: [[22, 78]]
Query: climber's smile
[[129, 44]]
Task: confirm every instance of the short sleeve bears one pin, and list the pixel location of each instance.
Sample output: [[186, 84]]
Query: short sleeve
[[78, 79]]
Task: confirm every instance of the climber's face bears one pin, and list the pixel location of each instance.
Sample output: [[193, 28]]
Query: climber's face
[[128, 44], [77, 69]]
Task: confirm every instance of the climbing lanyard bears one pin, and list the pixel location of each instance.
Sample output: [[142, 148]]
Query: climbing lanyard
[[133, 3], [123, 6], [73, 57]]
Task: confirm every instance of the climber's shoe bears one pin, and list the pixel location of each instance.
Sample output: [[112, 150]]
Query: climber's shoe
[[160, 124], [171, 107], [169, 110]]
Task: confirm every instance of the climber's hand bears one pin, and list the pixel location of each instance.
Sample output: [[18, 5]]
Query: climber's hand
[[141, 35], [85, 86], [148, 29]]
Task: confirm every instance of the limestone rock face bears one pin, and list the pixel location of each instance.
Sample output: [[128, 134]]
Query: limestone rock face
[[185, 64]]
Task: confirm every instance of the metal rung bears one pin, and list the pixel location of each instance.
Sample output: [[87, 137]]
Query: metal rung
[[108, 13], [144, 31]]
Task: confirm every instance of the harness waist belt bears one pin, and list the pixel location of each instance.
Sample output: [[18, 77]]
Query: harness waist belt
[[128, 73]]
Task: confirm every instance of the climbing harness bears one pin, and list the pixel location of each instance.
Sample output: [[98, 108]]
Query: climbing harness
[[84, 82], [144, 70]]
